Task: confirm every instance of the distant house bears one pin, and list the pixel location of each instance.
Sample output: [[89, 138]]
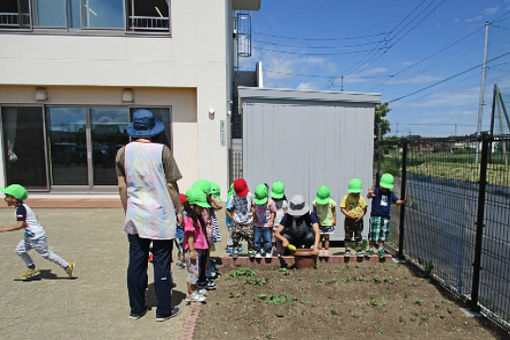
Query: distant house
[[73, 72]]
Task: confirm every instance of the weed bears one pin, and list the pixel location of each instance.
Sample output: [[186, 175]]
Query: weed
[[383, 303], [417, 301], [269, 335], [428, 268], [376, 279], [380, 331], [333, 311]]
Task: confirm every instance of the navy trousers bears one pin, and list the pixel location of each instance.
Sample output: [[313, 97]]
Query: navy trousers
[[137, 274]]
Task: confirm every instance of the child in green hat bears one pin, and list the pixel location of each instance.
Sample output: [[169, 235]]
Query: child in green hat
[[35, 236], [282, 205], [354, 207], [325, 209], [264, 211], [379, 227]]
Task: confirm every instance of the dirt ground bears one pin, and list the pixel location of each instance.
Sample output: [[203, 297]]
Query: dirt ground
[[355, 301]]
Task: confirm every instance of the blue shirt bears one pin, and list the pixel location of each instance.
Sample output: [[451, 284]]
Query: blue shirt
[[381, 203], [307, 219]]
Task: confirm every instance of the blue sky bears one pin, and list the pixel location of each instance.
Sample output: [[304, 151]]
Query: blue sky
[[423, 56]]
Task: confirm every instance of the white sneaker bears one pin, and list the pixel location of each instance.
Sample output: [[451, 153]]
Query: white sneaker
[[202, 291], [258, 256], [268, 255], [195, 297]]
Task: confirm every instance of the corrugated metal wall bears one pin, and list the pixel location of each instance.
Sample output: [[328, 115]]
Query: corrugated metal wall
[[306, 144]]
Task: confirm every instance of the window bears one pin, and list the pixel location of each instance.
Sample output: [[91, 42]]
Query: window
[[148, 15], [14, 14], [75, 15]]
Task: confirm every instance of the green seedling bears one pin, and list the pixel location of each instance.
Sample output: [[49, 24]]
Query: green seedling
[[380, 331], [241, 272], [261, 297], [319, 280], [230, 295], [417, 301], [376, 279], [346, 279], [383, 303], [333, 311], [277, 299], [284, 271], [256, 282], [269, 335], [372, 302], [243, 292], [359, 278], [388, 279], [341, 267], [306, 302]]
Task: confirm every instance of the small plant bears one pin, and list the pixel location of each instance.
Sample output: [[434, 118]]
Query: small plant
[[428, 268], [406, 295], [277, 299], [359, 278], [357, 265], [230, 295], [383, 303], [241, 272], [346, 279], [319, 280], [376, 279], [306, 302], [380, 331], [284, 271], [372, 302], [388, 279], [269, 335], [341, 267], [261, 297], [243, 292], [417, 301], [256, 282], [333, 311]]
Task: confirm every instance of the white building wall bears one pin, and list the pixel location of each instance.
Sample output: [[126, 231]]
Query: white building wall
[[195, 56]]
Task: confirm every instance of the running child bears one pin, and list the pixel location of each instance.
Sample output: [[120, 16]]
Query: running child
[[325, 209], [35, 236], [382, 198], [195, 241], [354, 207], [264, 211]]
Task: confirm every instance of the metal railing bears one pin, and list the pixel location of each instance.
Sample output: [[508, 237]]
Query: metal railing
[[456, 225], [14, 20], [140, 23]]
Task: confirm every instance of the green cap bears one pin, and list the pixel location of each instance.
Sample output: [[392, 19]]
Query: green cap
[[386, 181], [260, 194], [354, 186], [203, 185], [197, 197], [215, 190], [231, 191], [323, 195], [16, 190], [277, 190]]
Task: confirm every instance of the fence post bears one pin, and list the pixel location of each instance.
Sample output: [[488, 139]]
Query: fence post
[[403, 177], [379, 151], [479, 223]]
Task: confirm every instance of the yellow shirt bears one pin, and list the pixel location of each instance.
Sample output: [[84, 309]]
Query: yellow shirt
[[354, 205]]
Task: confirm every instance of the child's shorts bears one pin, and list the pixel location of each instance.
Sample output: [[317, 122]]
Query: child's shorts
[[193, 267], [379, 228], [327, 230]]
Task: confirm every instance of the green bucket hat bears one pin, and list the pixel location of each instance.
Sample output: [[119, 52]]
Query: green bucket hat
[[354, 186], [197, 197], [260, 194], [16, 190], [386, 181], [203, 185], [323, 195], [277, 190], [215, 190]]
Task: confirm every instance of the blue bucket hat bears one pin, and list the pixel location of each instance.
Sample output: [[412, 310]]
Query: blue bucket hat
[[144, 124]]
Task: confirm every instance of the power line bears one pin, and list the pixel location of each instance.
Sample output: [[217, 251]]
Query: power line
[[320, 39], [317, 75], [447, 78], [317, 47], [310, 53]]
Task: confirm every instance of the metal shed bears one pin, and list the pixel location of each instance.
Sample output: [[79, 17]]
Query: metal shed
[[306, 139]]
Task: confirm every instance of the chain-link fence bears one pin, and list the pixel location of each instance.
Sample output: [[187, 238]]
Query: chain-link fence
[[456, 225]]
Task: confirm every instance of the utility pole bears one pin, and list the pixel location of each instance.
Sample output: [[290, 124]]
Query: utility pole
[[342, 79], [397, 128], [482, 88]]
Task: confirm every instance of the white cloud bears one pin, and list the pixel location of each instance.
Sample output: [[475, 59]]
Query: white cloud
[[468, 97], [491, 10], [306, 86], [365, 75], [477, 18], [456, 20]]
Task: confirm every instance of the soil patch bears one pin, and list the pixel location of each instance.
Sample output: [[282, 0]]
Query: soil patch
[[354, 301]]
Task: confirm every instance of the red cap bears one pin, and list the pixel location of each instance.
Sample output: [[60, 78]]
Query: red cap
[[182, 197], [240, 187]]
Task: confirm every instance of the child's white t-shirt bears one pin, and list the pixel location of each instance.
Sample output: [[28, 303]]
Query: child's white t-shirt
[[33, 228]]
